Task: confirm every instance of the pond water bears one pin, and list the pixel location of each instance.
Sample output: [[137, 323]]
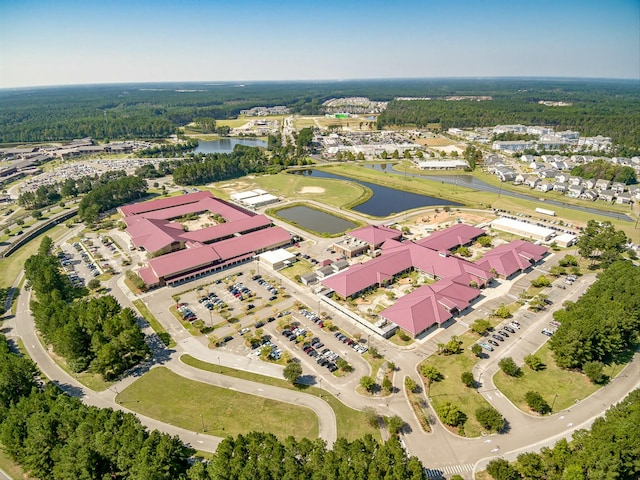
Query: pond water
[[225, 145], [315, 220], [385, 201]]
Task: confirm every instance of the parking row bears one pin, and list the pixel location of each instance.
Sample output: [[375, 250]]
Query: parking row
[[500, 336]]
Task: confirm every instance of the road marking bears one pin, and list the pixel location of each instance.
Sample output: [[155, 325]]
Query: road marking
[[489, 397], [487, 441], [569, 424], [495, 449], [260, 390], [200, 441], [561, 417]]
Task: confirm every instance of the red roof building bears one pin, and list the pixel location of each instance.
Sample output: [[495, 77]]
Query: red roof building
[[452, 237], [512, 258], [430, 306], [181, 255], [375, 235]]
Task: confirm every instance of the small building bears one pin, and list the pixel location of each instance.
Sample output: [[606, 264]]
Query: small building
[[624, 198], [260, 200], [277, 259], [561, 187], [565, 240], [524, 229]]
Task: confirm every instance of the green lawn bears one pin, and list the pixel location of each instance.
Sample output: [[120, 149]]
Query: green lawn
[[163, 395], [153, 322], [336, 192], [300, 267], [570, 386], [351, 423], [12, 265], [451, 388]]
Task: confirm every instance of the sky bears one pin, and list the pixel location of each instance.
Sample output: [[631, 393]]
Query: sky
[[59, 42]]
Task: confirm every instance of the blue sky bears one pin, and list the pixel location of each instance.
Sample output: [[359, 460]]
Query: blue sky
[[47, 42]]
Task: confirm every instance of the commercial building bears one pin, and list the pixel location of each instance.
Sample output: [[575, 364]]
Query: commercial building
[[524, 229], [179, 255]]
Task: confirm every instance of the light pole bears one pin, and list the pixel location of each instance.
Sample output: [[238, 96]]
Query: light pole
[[202, 420], [554, 401]]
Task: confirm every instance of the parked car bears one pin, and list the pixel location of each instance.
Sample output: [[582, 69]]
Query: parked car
[[487, 347], [547, 332], [509, 329], [493, 342], [498, 337]]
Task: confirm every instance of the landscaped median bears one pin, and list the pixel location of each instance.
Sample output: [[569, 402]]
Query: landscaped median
[[560, 388], [351, 423], [199, 407], [154, 324], [447, 389]]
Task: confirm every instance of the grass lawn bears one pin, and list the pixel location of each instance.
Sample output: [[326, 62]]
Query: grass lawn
[[163, 395], [568, 385], [299, 268], [351, 423], [11, 266], [451, 388], [157, 327], [11, 468], [336, 192]]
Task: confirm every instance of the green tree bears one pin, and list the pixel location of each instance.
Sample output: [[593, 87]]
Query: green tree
[[371, 416], [368, 383], [502, 311], [450, 414], [37, 214], [594, 371], [93, 284], [534, 362], [508, 366], [410, 384], [484, 241], [476, 349], [395, 424], [432, 374], [541, 281], [481, 326], [536, 402], [500, 469], [292, 372], [467, 379], [387, 386], [490, 419]]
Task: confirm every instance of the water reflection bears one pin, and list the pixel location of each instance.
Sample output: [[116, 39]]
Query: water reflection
[[315, 220], [385, 201]]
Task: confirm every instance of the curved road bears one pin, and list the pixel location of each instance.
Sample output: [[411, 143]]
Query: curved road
[[439, 449]]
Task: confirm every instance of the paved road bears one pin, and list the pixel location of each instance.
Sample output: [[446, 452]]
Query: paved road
[[438, 450]]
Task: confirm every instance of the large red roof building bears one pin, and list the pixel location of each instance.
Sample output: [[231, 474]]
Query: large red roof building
[[179, 255]]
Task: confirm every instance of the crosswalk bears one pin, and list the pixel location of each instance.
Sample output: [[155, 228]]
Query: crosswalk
[[448, 470]]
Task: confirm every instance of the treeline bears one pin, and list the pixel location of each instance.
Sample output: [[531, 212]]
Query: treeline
[[56, 437], [244, 160], [609, 450], [261, 455], [603, 324], [156, 110], [606, 171], [168, 149], [49, 194], [611, 116], [93, 334], [110, 195]]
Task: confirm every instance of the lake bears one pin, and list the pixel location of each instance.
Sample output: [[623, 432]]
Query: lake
[[225, 145], [315, 220], [385, 201]]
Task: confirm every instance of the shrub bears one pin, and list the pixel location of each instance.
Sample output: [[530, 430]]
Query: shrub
[[410, 384], [370, 416], [467, 379], [593, 370], [502, 311], [481, 326], [451, 415], [395, 425], [536, 402], [508, 366], [476, 350], [368, 383], [541, 281], [500, 469], [534, 362], [490, 418]]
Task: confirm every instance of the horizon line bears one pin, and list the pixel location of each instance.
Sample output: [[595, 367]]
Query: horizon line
[[242, 83]]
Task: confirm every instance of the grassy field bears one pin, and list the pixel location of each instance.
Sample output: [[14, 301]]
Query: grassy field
[[12, 469], [151, 320], [301, 267], [12, 265], [568, 385], [451, 388], [351, 423], [163, 395], [336, 193]]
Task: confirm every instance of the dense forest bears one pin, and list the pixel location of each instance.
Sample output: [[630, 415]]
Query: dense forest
[[110, 195], [606, 171], [610, 450], [603, 111], [93, 334], [56, 437], [603, 324], [244, 160], [607, 107]]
